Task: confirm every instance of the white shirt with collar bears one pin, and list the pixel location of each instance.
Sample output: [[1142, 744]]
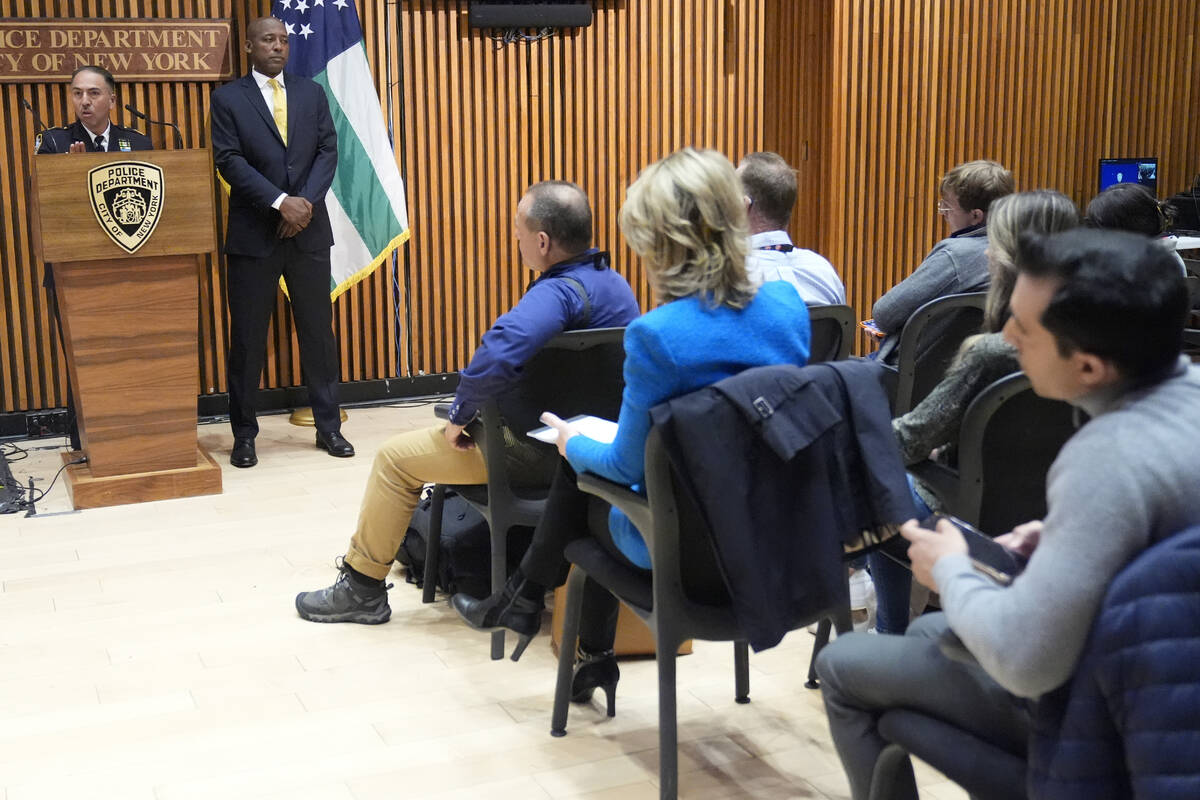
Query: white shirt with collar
[[106, 133], [268, 94], [814, 277]]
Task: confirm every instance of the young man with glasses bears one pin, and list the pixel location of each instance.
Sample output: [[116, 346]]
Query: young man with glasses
[[955, 264]]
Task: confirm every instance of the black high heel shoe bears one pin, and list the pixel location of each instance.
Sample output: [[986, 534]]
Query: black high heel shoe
[[596, 671], [517, 607]]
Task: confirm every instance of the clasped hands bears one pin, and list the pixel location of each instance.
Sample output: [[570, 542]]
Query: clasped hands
[[295, 214], [926, 546]]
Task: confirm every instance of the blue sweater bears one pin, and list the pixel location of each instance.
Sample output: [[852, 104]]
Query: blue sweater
[[678, 348], [550, 306]]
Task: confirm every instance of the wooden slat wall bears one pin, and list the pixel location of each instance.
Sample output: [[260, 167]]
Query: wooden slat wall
[[871, 99], [915, 87], [593, 106]]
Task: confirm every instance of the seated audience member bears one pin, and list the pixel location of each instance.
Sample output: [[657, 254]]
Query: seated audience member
[[576, 289], [769, 185], [685, 217], [936, 420], [1134, 208], [1096, 319], [957, 263]]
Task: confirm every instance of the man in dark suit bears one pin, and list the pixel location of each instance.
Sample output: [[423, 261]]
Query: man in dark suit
[[93, 93], [274, 142]]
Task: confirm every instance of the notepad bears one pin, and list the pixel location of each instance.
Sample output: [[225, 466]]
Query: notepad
[[598, 428]]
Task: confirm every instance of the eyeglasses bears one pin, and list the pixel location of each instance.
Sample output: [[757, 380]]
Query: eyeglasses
[[943, 208]]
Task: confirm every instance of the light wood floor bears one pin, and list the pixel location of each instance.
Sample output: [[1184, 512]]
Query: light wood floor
[[153, 651]]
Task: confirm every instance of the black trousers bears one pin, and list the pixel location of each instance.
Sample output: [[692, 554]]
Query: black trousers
[[72, 412], [251, 284], [571, 514]]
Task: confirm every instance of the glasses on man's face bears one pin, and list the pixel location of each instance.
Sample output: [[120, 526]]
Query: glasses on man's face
[[944, 208]]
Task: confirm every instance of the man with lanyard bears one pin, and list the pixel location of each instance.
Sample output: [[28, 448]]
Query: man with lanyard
[[576, 289], [770, 187]]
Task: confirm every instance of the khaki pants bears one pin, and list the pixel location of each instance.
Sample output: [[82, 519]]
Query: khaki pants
[[403, 465]]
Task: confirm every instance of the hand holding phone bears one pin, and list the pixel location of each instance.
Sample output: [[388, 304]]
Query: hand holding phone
[[987, 555]]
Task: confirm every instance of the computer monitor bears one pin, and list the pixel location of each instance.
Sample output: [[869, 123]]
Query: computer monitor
[[1129, 170]]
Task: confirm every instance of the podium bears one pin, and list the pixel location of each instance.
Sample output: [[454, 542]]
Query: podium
[[125, 234]]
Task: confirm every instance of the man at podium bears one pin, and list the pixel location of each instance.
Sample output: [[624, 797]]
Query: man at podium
[[93, 93]]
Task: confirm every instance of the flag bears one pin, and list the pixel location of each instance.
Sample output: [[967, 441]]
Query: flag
[[366, 201]]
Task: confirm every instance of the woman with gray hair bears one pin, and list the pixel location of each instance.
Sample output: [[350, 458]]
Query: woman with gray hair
[[983, 359], [685, 217]]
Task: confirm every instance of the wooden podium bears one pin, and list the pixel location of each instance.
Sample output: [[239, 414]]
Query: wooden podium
[[129, 311]]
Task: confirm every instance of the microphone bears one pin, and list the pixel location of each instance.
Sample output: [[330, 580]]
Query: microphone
[[41, 125], [178, 136]]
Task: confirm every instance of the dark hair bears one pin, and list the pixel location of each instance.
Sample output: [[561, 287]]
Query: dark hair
[[771, 186], [1129, 207], [561, 210], [101, 71], [1120, 297]]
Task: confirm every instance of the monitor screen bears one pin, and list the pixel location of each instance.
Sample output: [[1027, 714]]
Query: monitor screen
[[1129, 170]]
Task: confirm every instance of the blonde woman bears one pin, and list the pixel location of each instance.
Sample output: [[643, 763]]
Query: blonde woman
[[685, 217]]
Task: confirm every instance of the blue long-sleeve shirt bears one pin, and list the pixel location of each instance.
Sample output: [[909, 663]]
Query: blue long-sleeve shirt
[[550, 306], [678, 348]]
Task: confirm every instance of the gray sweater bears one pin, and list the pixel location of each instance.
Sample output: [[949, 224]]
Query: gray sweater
[[954, 265], [1126, 479]]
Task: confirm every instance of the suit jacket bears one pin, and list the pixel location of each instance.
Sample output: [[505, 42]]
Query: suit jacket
[[251, 157], [58, 140], [790, 466]]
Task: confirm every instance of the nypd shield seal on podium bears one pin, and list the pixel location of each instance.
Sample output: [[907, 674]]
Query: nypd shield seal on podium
[[127, 198]]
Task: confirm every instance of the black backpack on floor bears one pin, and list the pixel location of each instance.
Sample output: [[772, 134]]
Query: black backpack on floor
[[464, 563]]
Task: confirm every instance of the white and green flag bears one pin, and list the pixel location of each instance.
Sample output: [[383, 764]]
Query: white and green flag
[[366, 201]]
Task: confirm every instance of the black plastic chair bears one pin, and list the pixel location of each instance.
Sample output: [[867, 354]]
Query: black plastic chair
[[985, 770], [832, 332], [1008, 439], [683, 597], [579, 372], [930, 340]]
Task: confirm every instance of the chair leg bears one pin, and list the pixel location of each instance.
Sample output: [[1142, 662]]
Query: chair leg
[[741, 672], [566, 652], [844, 623], [499, 529], [433, 547], [667, 647]]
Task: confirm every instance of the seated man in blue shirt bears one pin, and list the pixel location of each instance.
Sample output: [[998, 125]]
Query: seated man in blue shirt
[[576, 289]]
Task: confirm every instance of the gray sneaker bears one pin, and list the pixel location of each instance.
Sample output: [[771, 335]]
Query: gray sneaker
[[345, 601]]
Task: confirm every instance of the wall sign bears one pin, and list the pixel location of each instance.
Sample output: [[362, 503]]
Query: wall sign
[[49, 50]]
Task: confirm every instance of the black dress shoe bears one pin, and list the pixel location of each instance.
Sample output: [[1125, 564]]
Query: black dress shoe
[[517, 607], [335, 444], [243, 452]]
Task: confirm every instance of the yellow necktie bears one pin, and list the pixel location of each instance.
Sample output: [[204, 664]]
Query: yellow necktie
[[278, 108]]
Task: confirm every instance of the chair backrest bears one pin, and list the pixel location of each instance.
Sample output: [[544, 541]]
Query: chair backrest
[[930, 340], [832, 332], [1192, 265], [1008, 440], [685, 559], [578, 372]]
